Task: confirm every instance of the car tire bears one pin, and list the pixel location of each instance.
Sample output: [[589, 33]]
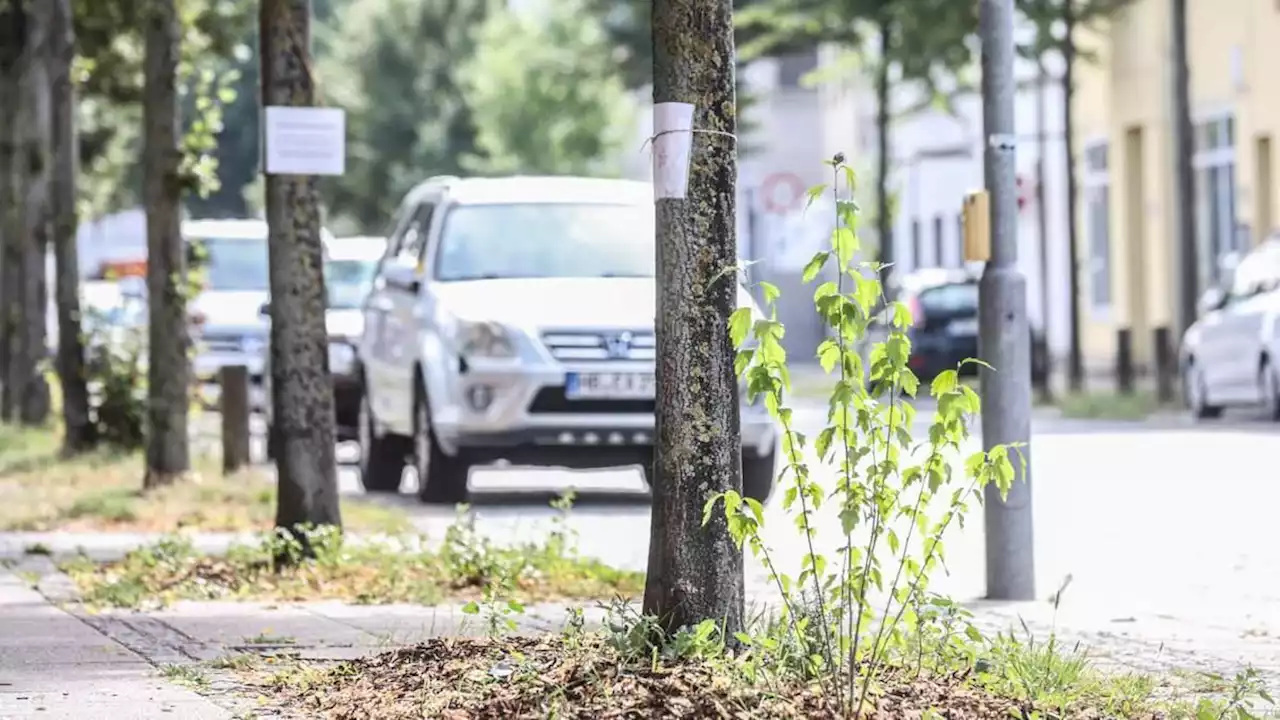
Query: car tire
[[1269, 385], [442, 480], [758, 475], [382, 457], [1196, 392]]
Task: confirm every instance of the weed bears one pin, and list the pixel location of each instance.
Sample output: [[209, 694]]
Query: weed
[[37, 549], [264, 638], [239, 662], [188, 675]]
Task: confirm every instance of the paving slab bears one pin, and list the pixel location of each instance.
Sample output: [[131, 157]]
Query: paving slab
[[54, 666]]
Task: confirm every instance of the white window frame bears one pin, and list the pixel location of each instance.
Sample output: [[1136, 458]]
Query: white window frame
[[1213, 247], [1095, 183]]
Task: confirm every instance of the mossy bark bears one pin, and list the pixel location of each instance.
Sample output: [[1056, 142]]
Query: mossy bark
[[12, 40], [302, 391], [79, 431], [169, 365], [695, 571], [28, 389]]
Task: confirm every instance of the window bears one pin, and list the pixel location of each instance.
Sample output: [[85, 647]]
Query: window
[[1096, 182], [409, 249], [1259, 271], [1215, 167], [347, 282], [231, 263], [951, 299], [917, 246], [939, 242], [546, 240]]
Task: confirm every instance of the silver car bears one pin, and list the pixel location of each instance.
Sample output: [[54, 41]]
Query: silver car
[[1231, 355], [513, 319]]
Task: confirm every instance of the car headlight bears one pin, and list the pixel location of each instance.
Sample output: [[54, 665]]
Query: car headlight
[[484, 339], [342, 357]]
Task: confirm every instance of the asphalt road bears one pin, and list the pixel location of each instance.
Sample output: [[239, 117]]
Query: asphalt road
[[1165, 518]]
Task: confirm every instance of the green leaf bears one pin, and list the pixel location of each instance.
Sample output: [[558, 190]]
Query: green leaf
[[771, 293], [812, 194], [845, 244], [815, 266], [739, 325], [515, 606], [471, 608]]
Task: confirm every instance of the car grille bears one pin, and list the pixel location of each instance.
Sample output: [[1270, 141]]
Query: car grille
[[222, 342], [553, 400], [577, 345]]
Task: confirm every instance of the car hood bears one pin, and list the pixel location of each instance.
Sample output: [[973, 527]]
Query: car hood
[[345, 323], [231, 308], [557, 302]]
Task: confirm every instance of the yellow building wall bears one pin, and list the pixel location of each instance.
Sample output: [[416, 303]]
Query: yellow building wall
[[1124, 95]]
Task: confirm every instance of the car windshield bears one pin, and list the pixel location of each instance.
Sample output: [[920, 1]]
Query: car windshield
[[235, 264], [347, 282], [546, 240], [951, 299]]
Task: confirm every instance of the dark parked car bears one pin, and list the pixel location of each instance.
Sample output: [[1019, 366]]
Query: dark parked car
[[944, 308]]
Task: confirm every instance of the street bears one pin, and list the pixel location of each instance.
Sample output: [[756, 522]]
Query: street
[[1159, 519]]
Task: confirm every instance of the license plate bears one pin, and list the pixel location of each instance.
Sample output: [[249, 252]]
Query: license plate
[[963, 327], [609, 386]]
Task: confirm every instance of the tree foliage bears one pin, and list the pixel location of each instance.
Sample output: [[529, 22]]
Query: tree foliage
[[396, 72], [545, 94], [109, 77]]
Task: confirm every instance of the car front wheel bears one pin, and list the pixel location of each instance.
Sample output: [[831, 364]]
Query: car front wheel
[[381, 456], [441, 479], [1197, 394]]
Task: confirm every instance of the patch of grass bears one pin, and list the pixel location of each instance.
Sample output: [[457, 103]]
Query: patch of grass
[[397, 570], [42, 491], [188, 675], [264, 638], [30, 577], [239, 662], [1109, 406], [37, 549]]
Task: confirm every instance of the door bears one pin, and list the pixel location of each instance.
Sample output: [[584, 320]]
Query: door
[[1240, 331], [374, 351], [401, 340]]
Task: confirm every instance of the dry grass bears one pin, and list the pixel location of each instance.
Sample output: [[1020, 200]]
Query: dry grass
[[363, 572], [101, 491]]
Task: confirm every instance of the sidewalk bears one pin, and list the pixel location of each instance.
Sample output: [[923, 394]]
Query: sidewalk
[[69, 663], [53, 666]]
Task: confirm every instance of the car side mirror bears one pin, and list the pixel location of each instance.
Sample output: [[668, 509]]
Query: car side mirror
[[265, 310], [1213, 299], [403, 277]]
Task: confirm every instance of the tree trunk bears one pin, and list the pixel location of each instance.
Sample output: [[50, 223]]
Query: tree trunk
[[302, 391], [695, 572], [168, 365], [884, 118], [1188, 255], [1075, 361], [1042, 226], [26, 377], [71, 362], [12, 40]]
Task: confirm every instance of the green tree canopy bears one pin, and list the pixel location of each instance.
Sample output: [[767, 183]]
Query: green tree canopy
[[394, 67], [546, 95]]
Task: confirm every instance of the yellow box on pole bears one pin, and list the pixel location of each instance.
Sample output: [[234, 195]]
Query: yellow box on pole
[[977, 226]]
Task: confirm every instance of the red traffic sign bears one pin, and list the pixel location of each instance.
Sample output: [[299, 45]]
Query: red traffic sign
[[782, 192]]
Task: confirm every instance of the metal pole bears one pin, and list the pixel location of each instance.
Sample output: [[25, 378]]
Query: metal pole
[[1004, 339]]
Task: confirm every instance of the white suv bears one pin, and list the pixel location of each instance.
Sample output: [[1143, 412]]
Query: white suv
[[513, 319]]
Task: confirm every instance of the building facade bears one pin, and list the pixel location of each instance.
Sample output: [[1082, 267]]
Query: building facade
[[1123, 113]]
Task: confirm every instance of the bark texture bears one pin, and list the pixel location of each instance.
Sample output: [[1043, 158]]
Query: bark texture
[[79, 431], [1075, 359], [26, 382], [12, 40], [884, 126], [168, 366], [302, 392], [695, 572]]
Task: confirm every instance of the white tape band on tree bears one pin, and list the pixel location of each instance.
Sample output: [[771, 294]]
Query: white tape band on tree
[[672, 149]]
